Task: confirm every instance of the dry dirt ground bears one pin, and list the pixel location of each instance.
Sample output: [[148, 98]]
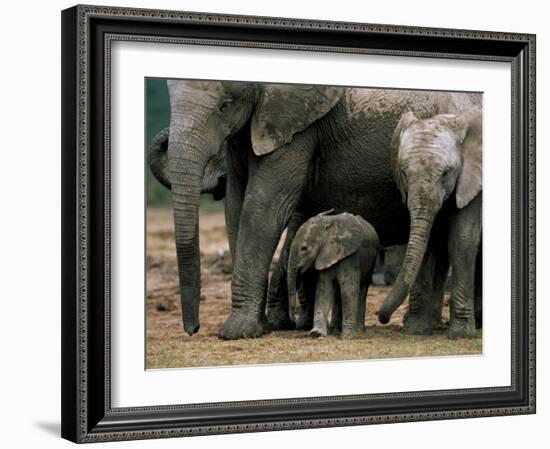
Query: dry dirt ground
[[168, 346]]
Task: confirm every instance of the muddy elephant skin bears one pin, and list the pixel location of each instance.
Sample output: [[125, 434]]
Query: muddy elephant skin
[[342, 251], [437, 167], [288, 147]]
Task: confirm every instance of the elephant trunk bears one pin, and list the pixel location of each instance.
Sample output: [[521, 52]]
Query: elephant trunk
[[157, 158], [187, 162], [421, 224]]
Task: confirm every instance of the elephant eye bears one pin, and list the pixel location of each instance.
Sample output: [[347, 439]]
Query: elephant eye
[[224, 106], [304, 247]]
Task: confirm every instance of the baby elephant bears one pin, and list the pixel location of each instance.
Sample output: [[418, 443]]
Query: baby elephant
[[341, 250]]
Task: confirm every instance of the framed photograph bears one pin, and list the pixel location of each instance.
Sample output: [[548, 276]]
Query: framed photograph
[[276, 224]]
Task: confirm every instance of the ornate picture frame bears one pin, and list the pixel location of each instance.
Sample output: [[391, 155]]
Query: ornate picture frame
[[87, 35]]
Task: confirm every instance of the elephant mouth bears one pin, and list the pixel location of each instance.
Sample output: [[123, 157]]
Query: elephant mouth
[[219, 190]]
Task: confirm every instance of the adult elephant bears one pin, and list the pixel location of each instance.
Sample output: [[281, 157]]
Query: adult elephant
[[318, 146], [437, 164]]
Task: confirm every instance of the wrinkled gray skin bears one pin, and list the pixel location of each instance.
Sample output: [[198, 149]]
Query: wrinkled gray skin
[[341, 250], [315, 147], [213, 180], [437, 167], [215, 173]]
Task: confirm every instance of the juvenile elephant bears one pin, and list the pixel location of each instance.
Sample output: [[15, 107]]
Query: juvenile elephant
[[288, 147], [438, 170], [341, 250]]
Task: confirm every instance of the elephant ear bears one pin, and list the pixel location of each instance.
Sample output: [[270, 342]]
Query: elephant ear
[[468, 185], [406, 120], [285, 110], [343, 236]]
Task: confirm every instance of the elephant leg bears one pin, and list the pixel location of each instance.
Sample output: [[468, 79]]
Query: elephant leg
[[478, 289], [324, 299], [277, 313], [363, 293], [441, 273], [349, 290], [234, 196], [464, 239], [306, 300], [427, 294], [275, 183], [335, 327], [419, 319]]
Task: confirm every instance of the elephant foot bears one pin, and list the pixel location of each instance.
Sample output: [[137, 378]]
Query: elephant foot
[[335, 329], [354, 332], [241, 326], [278, 319], [462, 329], [317, 332], [418, 325]]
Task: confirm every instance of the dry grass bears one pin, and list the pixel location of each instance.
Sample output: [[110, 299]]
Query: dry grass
[[169, 347]]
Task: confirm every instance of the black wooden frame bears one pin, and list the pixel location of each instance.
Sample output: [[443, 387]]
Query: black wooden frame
[[87, 32]]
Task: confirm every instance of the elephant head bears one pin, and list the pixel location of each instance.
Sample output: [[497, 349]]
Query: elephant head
[[433, 159], [320, 243], [215, 173], [204, 116]]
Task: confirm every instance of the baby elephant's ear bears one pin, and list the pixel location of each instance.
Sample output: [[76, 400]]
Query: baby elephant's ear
[[404, 122], [285, 110], [468, 185], [342, 237]]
